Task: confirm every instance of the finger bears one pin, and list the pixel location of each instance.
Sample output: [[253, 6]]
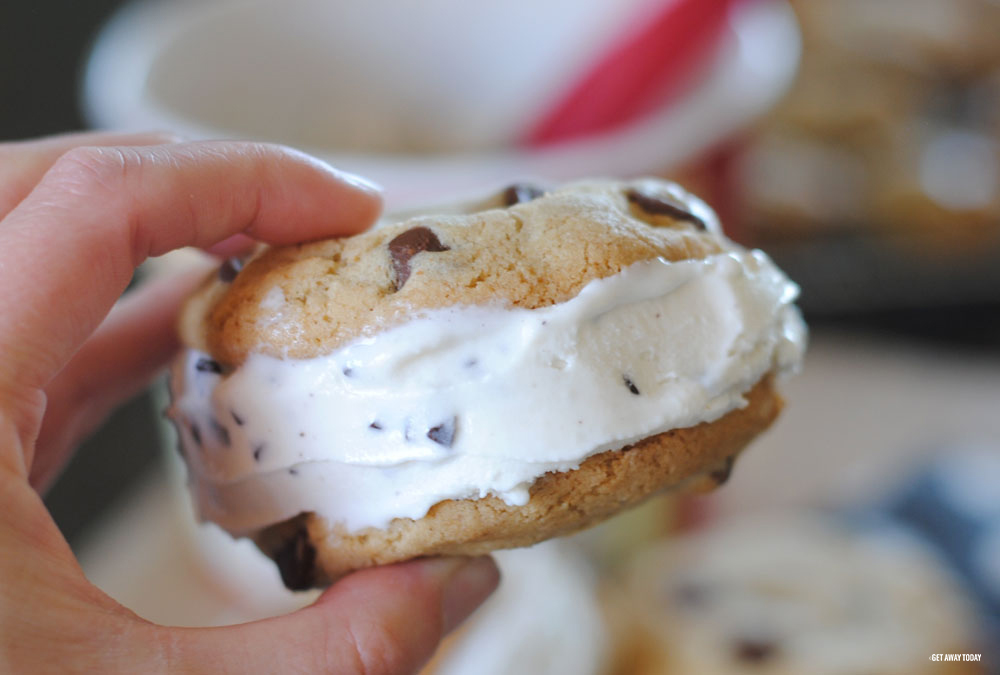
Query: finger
[[236, 245], [23, 163], [131, 346], [54, 620], [68, 249], [385, 620]]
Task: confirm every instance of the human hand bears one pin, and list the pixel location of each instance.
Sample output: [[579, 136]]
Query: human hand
[[75, 221]]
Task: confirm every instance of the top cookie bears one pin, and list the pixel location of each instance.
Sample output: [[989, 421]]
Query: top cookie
[[523, 248]]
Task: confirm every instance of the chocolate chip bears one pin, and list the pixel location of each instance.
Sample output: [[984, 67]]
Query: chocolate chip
[[631, 385], [521, 192], [196, 434], [297, 562], [409, 244], [257, 452], [208, 366], [229, 269], [755, 651], [236, 418], [293, 472], [220, 431], [664, 206], [348, 371], [443, 434], [691, 595], [375, 425], [721, 475]]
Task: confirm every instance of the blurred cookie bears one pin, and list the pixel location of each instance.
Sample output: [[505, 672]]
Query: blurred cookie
[[846, 100], [931, 37], [888, 144], [799, 187], [794, 594], [938, 185]]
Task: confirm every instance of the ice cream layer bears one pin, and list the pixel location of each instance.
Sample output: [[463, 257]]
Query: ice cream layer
[[469, 401]]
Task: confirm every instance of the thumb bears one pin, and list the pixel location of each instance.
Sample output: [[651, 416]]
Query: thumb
[[384, 620]]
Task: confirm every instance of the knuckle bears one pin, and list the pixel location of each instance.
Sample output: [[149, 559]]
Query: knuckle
[[15, 181], [89, 169]]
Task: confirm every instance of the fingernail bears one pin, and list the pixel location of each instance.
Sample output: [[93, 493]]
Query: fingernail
[[467, 582], [165, 137], [351, 179], [359, 182], [236, 245]]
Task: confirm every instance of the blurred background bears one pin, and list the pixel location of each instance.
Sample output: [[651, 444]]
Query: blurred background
[[856, 142]]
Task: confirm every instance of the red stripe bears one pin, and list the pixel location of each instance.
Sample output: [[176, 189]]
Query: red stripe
[[640, 72]]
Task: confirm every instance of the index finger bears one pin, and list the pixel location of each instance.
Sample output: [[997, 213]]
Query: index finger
[[24, 162], [68, 250]]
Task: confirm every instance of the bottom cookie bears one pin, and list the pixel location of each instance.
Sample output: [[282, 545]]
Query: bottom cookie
[[310, 551]]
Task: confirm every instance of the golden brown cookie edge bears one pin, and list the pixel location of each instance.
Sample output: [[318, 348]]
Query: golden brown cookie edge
[[695, 458]]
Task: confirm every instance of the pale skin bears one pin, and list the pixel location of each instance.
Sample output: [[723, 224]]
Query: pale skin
[[78, 213]]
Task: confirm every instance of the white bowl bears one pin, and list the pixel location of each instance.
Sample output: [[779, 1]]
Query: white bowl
[[427, 102]]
